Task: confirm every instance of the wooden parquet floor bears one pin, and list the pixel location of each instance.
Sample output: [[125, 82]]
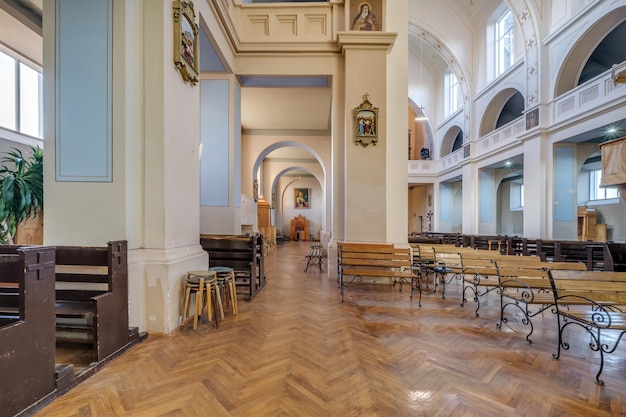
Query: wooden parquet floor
[[296, 350]]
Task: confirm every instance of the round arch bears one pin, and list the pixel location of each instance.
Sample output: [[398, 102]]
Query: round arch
[[494, 109], [278, 145], [450, 139], [319, 176], [573, 64]]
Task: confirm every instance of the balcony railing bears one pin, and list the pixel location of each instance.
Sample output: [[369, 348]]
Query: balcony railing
[[579, 101]]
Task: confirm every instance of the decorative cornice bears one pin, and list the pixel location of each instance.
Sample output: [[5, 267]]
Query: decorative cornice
[[371, 40]]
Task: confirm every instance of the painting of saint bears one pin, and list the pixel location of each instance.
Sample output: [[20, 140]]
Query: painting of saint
[[302, 197], [365, 19]]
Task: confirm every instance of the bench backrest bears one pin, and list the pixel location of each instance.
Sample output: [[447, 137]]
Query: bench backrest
[[523, 276], [11, 289], [451, 261], [366, 254], [597, 287], [83, 272], [233, 251]]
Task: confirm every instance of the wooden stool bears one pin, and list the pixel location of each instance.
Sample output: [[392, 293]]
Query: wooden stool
[[198, 281], [226, 277]]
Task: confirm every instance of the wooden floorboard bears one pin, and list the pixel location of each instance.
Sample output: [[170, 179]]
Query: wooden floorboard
[[296, 350]]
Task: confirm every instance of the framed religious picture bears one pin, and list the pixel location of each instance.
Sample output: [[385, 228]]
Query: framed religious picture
[[255, 190], [186, 40], [366, 15], [532, 118], [302, 198], [366, 123]]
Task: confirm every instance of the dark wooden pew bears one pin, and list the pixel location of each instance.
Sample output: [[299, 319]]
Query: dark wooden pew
[[242, 253], [589, 253], [615, 257], [27, 346], [92, 297]]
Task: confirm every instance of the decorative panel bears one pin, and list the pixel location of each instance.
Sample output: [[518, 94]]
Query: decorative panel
[[315, 24], [287, 25], [214, 134], [567, 105], [590, 94], [486, 195], [564, 187], [83, 111], [258, 25]]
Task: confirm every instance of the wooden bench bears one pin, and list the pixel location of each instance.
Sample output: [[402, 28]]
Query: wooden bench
[[424, 258], [522, 285], [371, 262], [480, 276], [314, 256], [92, 297], [242, 253], [594, 301], [590, 253], [27, 345]]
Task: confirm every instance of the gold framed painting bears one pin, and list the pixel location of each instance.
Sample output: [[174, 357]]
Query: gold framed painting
[[186, 40], [366, 15], [302, 198], [366, 123]]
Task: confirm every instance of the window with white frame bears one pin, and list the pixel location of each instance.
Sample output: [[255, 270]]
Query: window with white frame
[[21, 97], [452, 96], [595, 191], [504, 42]]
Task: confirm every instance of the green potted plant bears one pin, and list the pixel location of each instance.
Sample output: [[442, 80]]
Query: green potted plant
[[21, 191]]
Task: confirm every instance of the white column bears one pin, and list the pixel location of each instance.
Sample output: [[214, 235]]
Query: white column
[[152, 197]]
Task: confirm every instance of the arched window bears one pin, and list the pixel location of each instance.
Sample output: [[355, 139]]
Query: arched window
[[504, 42], [452, 93]]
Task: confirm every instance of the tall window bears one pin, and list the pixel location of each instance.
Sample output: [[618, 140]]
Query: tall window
[[21, 89], [505, 42], [597, 193], [453, 92]]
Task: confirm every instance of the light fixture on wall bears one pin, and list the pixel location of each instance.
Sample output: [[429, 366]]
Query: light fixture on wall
[[421, 117]]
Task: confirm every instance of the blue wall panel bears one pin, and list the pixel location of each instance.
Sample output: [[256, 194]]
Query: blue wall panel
[[564, 184], [214, 180], [444, 197], [486, 196], [237, 146], [84, 143]]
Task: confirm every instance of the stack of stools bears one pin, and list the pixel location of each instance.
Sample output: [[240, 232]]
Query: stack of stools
[[226, 279], [205, 285]]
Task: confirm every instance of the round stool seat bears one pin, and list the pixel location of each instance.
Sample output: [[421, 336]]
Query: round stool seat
[[221, 269], [194, 277]]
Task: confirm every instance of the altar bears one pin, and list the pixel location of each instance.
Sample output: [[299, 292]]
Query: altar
[[299, 228]]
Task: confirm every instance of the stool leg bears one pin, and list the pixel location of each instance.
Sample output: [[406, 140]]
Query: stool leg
[[198, 310], [210, 303], [187, 302], [233, 294], [213, 294], [219, 301], [181, 309]]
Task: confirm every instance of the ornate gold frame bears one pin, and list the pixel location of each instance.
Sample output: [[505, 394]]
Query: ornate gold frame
[[365, 123], [186, 40]]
